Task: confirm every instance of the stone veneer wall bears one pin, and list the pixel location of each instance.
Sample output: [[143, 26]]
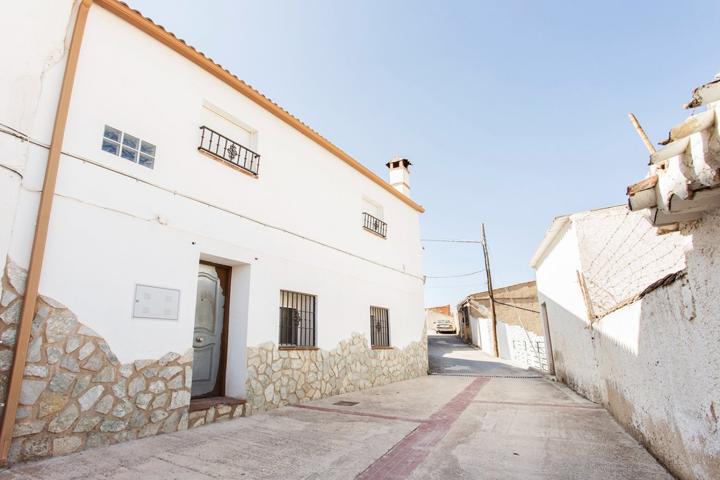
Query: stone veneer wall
[[279, 377], [75, 394]]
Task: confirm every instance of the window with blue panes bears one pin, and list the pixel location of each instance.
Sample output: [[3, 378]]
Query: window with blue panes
[[128, 147]]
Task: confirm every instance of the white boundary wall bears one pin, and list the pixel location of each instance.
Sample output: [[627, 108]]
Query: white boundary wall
[[655, 363]]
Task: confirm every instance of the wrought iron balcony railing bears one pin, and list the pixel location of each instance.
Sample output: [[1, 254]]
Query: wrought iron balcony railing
[[229, 151], [374, 225]]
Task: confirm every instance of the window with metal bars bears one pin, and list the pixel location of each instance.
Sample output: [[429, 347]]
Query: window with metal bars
[[374, 225], [297, 319], [379, 327]]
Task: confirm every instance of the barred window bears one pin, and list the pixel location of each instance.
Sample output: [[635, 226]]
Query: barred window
[[297, 319], [128, 147], [379, 327]]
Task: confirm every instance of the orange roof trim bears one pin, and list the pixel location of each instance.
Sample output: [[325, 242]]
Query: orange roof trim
[[156, 31]]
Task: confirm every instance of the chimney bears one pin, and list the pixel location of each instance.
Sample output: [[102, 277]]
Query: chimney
[[400, 174]]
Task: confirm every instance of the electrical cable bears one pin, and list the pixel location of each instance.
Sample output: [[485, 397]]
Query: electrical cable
[[450, 241], [515, 306], [455, 276], [24, 137]]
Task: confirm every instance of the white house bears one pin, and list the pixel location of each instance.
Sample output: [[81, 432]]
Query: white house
[[630, 317], [187, 244]]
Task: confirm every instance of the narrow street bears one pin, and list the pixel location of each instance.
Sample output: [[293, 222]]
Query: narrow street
[[450, 356], [474, 417]]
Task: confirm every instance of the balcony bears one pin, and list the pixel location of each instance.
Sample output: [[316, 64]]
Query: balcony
[[374, 225], [228, 151]]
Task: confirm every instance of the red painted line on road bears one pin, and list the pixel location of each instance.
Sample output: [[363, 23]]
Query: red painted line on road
[[528, 404], [400, 461], [358, 414]]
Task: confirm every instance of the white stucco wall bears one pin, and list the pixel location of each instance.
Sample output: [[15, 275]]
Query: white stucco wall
[[521, 345], [559, 289], [116, 224], [654, 364], [30, 77], [481, 331]]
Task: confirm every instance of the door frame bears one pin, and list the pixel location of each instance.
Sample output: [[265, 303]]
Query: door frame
[[225, 277]]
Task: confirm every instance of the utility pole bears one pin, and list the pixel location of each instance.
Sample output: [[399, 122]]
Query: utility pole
[[493, 318]]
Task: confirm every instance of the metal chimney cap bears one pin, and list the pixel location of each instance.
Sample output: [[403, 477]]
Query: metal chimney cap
[[396, 162]]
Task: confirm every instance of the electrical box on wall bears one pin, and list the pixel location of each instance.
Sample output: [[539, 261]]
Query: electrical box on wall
[[156, 302]]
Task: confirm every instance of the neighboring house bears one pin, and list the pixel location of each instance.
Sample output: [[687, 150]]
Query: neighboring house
[[632, 310], [519, 333], [204, 246], [442, 314]]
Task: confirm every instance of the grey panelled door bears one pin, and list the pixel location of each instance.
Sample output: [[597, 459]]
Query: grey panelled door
[[207, 341]]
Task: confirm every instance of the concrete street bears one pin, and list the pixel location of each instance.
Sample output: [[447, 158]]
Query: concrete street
[[450, 356], [478, 418]]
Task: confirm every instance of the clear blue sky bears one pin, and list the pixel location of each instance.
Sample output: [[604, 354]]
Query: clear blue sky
[[512, 112]]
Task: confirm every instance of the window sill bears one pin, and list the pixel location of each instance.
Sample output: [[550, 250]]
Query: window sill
[[383, 348], [229, 164], [375, 233], [297, 348]]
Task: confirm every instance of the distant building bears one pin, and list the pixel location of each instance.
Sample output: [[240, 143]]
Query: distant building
[[440, 320], [520, 336]]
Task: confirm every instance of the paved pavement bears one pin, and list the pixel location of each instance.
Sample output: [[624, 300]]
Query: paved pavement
[[450, 356], [488, 422]]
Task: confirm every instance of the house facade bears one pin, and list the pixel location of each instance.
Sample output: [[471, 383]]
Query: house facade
[[629, 313], [205, 254], [519, 333]]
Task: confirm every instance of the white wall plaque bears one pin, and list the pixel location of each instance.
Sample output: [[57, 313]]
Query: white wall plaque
[[156, 302]]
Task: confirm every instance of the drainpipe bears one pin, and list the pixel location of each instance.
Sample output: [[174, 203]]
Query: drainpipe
[[41, 233]]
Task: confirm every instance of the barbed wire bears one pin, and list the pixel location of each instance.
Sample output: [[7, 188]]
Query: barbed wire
[[605, 245], [622, 248]]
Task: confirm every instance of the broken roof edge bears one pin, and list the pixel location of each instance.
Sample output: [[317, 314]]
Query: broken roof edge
[[706, 93], [156, 31]]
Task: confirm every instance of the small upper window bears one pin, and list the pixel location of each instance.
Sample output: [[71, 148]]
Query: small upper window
[[128, 147]]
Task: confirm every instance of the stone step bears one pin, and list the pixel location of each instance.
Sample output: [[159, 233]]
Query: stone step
[[204, 411]]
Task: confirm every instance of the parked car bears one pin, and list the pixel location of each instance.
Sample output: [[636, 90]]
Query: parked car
[[445, 326]]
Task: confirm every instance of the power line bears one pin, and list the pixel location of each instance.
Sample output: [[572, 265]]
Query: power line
[[452, 286], [449, 241], [24, 137], [456, 276], [515, 306]]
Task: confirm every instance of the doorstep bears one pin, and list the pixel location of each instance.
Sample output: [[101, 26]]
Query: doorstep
[[214, 409]]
